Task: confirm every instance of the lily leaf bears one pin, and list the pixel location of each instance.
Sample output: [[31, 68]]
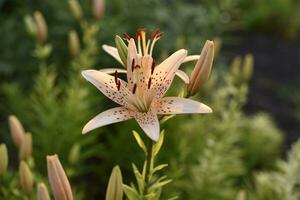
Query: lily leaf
[[131, 193], [159, 143], [140, 141]]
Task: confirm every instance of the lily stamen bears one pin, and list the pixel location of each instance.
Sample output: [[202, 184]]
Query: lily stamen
[[149, 83], [134, 88]]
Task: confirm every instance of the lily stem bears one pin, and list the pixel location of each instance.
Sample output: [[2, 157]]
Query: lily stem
[[149, 160]]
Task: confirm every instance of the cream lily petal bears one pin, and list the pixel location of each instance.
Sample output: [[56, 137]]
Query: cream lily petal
[[164, 73], [149, 123], [191, 58], [113, 70], [177, 105], [132, 61], [108, 86], [110, 116], [181, 74], [113, 51]]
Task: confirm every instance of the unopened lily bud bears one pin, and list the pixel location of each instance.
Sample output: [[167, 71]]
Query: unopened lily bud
[[41, 27], [42, 192], [202, 68], [3, 159], [26, 147], [16, 130], [248, 66], [26, 178], [241, 195], [75, 9], [218, 44], [236, 66], [114, 189], [98, 7], [58, 180], [74, 154], [122, 49], [30, 25], [74, 44]]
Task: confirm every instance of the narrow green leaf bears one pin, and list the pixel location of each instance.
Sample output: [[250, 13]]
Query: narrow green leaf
[[139, 178], [159, 167], [131, 193], [140, 141], [159, 184], [159, 143], [114, 189], [122, 49]]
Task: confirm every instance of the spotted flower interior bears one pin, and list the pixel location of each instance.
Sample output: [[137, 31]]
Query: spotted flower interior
[[142, 95]]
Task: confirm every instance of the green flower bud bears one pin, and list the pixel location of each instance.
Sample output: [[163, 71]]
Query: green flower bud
[[42, 192], [248, 67], [3, 159], [74, 43], [114, 189], [26, 178], [122, 49], [75, 9], [16, 130], [235, 66], [30, 25], [74, 153]]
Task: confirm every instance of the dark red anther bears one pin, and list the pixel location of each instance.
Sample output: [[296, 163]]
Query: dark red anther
[[149, 83], [134, 89], [150, 35], [152, 67], [126, 36], [119, 85], [116, 77], [132, 65], [160, 34]]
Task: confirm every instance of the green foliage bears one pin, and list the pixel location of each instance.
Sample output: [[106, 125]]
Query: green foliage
[[272, 16], [217, 154], [149, 183], [282, 184]]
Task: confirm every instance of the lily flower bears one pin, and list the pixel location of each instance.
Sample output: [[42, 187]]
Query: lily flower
[[142, 96], [145, 47]]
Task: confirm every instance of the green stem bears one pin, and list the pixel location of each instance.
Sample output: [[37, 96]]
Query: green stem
[[148, 165]]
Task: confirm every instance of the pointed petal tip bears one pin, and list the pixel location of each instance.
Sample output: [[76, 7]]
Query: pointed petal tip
[[86, 129], [206, 109]]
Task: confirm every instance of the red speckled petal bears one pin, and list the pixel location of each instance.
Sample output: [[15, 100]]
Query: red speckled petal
[[107, 85], [149, 123], [164, 73], [110, 116], [177, 105]]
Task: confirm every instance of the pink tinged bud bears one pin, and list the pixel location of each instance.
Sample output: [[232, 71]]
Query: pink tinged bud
[[3, 159], [202, 68], [26, 178], [16, 130], [26, 147], [41, 27], [58, 180], [98, 7], [42, 192]]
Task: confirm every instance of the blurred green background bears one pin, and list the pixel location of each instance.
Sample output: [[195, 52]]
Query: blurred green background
[[248, 146]]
